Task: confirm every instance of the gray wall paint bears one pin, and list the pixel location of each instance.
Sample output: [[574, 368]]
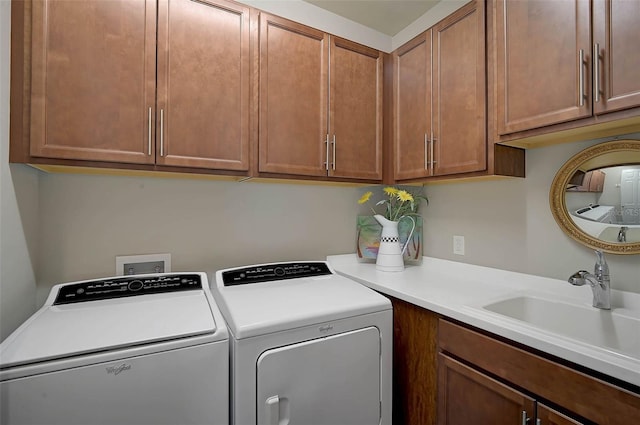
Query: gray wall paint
[[18, 210], [86, 221], [508, 224]]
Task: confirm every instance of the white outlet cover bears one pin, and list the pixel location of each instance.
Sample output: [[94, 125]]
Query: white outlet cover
[[458, 245], [121, 260]]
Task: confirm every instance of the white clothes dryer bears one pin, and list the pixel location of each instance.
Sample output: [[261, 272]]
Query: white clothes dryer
[[307, 346], [146, 349]]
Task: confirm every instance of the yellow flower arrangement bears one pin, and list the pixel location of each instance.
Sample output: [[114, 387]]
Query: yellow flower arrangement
[[398, 203]]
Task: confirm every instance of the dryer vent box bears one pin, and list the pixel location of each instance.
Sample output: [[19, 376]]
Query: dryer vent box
[[142, 264]]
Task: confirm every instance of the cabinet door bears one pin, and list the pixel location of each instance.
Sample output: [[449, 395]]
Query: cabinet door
[[549, 416], [412, 107], [466, 396], [293, 98], [540, 79], [597, 181], [355, 112], [93, 80], [459, 103], [203, 84], [616, 35]]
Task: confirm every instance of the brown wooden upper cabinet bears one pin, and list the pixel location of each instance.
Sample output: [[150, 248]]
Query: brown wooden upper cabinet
[[439, 98], [553, 65], [96, 94], [320, 103]]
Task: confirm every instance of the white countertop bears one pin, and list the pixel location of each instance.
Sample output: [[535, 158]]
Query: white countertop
[[457, 290]]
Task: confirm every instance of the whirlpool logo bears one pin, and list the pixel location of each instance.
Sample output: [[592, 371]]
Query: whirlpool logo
[[325, 328], [116, 370]]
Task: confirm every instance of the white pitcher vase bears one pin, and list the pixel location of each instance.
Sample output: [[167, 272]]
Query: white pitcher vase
[[390, 252]]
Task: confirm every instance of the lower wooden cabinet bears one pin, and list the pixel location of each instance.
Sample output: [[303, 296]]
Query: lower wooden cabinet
[[495, 382], [469, 396], [548, 416], [449, 374]]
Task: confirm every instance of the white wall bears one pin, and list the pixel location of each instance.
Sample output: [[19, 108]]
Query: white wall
[[508, 224], [86, 221], [18, 210]]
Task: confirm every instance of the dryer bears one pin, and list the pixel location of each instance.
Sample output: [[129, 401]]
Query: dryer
[[308, 346], [147, 349]]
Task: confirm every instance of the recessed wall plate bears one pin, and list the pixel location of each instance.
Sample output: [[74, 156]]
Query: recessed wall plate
[[458, 245], [141, 264]]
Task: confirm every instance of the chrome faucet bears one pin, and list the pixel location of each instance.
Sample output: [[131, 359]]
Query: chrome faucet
[[622, 234], [599, 281]]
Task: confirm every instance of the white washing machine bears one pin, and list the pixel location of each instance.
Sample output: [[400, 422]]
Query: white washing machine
[[146, 349], [307, 346]]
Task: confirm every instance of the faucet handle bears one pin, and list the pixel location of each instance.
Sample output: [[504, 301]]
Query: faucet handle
[[601, 267], [579, 278], [600, 256]]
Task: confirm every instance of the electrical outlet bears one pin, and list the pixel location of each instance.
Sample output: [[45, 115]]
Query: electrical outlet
[[458, 245], [141, 264]]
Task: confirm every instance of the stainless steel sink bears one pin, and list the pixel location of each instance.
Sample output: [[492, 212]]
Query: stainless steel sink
[[603, 328]]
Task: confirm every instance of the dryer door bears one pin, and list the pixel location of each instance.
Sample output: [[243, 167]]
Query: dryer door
[[332, 380]]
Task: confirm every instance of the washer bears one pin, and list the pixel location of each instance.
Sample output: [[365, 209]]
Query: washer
[[307, 346], [146, 349]]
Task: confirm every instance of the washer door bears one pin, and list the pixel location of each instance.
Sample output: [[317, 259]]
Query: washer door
[[326, 381]]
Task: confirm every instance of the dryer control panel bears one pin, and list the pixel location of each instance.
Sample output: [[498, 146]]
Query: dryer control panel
[[271, 272], [126, 287]]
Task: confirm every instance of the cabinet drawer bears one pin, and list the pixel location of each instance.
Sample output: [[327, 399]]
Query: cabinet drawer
[[576, 391]]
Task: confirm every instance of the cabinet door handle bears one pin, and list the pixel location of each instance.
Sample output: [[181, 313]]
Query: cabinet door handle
[[149, 128], [538, 422], [333, 163], [326, 162], [426, 151], [581, 76], [525, 419], [433, 142], [161, 132], [596, 72]]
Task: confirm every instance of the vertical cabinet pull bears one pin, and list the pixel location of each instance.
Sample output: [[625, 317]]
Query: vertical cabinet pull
[[149, 128], [596, 72], [525, 418], [581, 77], [538, 422], [426, 151], [333, 163], [161, 132], [433, 160], [326, 162]]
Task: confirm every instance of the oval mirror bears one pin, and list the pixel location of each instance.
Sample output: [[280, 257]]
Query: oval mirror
[[595, 197]]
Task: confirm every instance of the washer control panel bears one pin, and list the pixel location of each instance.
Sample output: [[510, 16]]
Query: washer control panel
[[271, 272], [126, 287]]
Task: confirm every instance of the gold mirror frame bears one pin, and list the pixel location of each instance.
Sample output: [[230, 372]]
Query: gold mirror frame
[[615, 149]]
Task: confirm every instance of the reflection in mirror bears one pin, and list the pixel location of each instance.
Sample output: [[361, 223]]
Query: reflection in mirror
[[595, 197], [605, 202]]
